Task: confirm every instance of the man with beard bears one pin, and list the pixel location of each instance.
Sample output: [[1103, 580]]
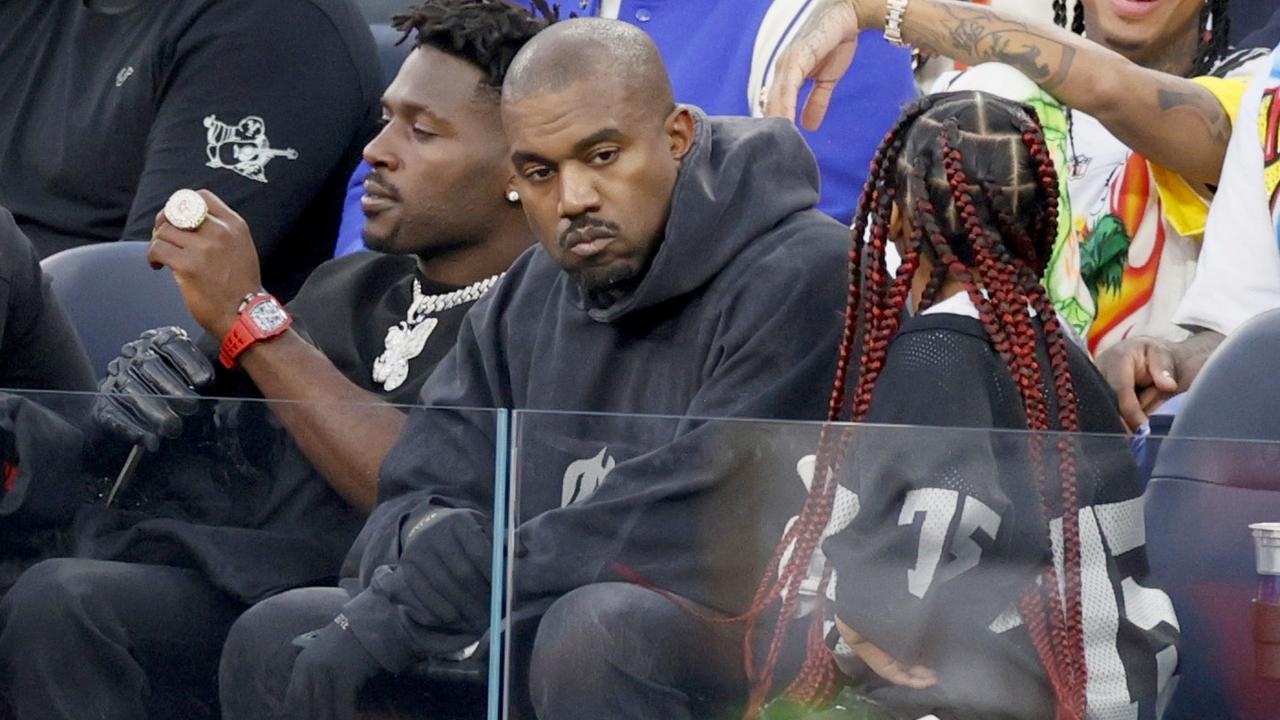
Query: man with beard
[[133, 625], [683, 271]]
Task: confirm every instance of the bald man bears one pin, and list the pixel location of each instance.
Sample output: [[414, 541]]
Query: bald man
[[682, 271]]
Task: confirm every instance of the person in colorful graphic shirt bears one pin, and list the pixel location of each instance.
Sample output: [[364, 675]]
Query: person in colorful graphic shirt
[[1238, 275], [1240, 278], [1132, 229], [1137, 247], [1128, 99]]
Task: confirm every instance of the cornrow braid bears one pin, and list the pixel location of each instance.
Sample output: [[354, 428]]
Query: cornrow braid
[[1064, 658], [1062, 661], [993, 232], [782, 579]]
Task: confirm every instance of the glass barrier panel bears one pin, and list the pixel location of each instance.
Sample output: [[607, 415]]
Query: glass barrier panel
[[146, 540], [688, 568]]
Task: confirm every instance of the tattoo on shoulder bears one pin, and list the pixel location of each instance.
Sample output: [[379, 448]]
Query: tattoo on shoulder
[[1204, 104]]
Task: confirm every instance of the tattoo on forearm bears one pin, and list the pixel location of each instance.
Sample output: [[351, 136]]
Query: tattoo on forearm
[[976, 33]]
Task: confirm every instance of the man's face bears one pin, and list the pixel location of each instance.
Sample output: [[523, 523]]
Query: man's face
[[439, 163], [1136, 28], [595, 174]]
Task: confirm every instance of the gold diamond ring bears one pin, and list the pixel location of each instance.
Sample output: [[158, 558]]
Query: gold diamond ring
[[186, 210]]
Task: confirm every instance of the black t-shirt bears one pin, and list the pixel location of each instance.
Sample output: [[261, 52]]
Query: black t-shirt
[[39, 348], [265, 102], [349, 304]]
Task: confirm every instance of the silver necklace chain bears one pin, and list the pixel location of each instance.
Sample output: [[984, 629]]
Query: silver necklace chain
[[424, 305], [406, 339]]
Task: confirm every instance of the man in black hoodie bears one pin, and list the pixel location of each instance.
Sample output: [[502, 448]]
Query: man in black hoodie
[[683, 271]]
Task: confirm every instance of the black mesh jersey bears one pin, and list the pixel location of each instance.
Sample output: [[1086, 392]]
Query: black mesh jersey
[[938, 531], [265, 102]]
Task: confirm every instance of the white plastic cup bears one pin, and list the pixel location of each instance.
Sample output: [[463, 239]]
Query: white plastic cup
[[1266, 604], [1266, 544]]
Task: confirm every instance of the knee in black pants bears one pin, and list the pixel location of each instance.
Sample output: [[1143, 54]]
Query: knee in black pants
[[618, 650], [45, 602], [582, 635], [90, 638], [257, 659]]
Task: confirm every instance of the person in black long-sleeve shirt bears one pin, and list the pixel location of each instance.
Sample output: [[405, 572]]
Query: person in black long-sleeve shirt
[[111, 105], [939, 542], [39, 349]]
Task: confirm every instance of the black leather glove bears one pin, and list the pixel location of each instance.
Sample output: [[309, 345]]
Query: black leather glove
[[161, 362], [329, 673], [446, 565]]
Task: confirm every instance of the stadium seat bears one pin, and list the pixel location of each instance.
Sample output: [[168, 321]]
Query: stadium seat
[[381, 11], [1246, 17], [111, 295], [1203, 495], [1266, 36], [391, 54]]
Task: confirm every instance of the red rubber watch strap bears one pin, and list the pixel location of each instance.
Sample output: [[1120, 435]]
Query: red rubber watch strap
[[245, 333], [235, 342]]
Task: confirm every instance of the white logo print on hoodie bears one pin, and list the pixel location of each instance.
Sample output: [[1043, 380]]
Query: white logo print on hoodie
[[583, 477]]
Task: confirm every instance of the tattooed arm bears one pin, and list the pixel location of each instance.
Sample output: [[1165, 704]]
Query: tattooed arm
[[1170, 120]]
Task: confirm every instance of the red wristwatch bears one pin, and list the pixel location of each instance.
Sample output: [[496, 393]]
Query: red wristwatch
[[262, 317]]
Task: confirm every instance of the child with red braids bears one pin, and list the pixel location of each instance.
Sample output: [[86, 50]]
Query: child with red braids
[[977, 574]]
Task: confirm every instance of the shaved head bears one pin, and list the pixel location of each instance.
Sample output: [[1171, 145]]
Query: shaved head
[[596, 146], [592, 50]]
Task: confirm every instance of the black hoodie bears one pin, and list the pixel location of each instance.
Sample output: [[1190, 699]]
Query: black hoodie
[[738, 316]]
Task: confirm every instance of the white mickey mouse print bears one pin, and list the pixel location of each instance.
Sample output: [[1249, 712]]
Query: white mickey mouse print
[[242, 148]]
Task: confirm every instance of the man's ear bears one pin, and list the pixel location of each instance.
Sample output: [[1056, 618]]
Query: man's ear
[[679, 128]]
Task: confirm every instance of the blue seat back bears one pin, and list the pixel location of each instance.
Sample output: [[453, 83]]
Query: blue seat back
[[111, 295], [1209, 484]]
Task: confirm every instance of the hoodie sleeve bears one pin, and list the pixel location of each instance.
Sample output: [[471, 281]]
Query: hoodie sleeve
[[443, 458], [700, 513], [39, 348]]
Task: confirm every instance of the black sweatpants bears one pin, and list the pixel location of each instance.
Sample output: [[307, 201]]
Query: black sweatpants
[[610, 650], [257, 662], [94, 639]]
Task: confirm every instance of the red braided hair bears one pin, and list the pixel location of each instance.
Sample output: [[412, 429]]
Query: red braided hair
[[994, 236]]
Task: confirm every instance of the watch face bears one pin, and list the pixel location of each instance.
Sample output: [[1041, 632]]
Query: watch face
[[268, 316]]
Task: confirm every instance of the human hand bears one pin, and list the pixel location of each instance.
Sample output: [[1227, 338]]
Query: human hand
[[161, 362], [216, 264], [822, 50], [329, 673], [446, 564], [916, 677], [1143, 373]]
